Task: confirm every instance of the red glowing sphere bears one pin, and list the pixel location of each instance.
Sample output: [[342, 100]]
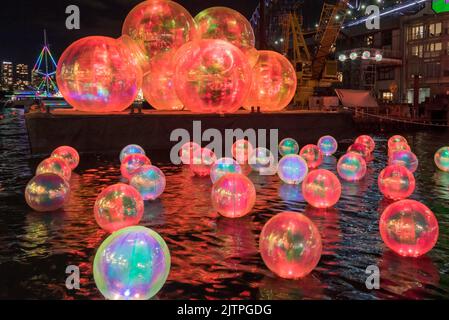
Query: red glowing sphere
[[290, 245], [55, 165], [321, 188], [159, 26], [396, 182], [396, 139], [212, 76], [359, 148], [159, 86], [98, 74], [367, 141], [131, 163], [397, 146], [241, 149], [187, 151], [202, 161], [68, 154], [409, 228], [312, 154]]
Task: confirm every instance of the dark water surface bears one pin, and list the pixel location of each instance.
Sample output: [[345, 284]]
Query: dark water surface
[[215, 257]]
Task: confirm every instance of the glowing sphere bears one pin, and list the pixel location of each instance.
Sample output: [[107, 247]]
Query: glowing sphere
[[131, 264], [290, 245], [396, 182], [131, 163], [321, 188], [327, 145], [159, 86], [202, 161], [69, 154], [118, 206], [292, 169], [47, 192], [342, 57], [159, 26], [233, 195], [288, 146], [131, 149], [396, 139], [367, 141], [378, 57], [353, 55], [187, 150], [351, 167], [273, 82], [224, 166], [212, 76], [55, 165], [241, 149], [97, 74], [442, 159], [223, 23], [149, 181], [360, 149], [261, 160], [366, 55], [409, 228], [312, 154], [404, 158]]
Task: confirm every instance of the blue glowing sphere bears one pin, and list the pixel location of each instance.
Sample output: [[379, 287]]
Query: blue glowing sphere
[[292, 169], [328, 145], [149, 181], [223, 166], [351, 167], [131, 149]]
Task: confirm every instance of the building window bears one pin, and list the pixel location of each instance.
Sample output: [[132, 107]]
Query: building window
[[417, 51], [416, 32], [369, 40], [432, 70], [387, 96], [435, 29], [386, 73], [433, 49]]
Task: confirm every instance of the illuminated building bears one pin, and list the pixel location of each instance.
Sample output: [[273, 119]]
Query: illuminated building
[[7, 76], [22, 77]]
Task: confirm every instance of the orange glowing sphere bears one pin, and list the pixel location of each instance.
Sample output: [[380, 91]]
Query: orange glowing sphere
[[396, 182], [97, 74], [321, 188], [367, 141], [159, 26], [212, 76], [274, 82], [396, 139]]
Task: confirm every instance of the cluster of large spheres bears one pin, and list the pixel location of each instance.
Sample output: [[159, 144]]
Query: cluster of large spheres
[[206, 64]]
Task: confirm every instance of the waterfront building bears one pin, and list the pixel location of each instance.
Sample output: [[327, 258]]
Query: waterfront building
[[6, 76], [22, 77]]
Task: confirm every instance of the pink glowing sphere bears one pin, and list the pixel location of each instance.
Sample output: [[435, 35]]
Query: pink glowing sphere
[[241, 149], [55, 165], [233, 195], [187, 151], [312, 154], [396, 139], [202, 161], [118, 206], [131, 163], [366, 141], [159, 26], [274, 82], [351, 167], [68, 154], [404, 158], [290, 245], [212, 76], [409, 228], [222, 167], [398, 146], [396, 182], [47, 192], [159, 86], [360, 149], [321, 188], [97, 74]]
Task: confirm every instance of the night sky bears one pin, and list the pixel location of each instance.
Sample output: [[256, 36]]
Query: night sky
[[22, 22]]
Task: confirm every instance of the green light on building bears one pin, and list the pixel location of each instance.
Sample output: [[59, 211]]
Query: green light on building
[[440, 6]]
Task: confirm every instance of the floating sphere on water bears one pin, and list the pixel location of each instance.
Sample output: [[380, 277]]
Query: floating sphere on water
[[409, 228], [118, 206], [149, 181], [360, 149], [396, 182], [404, 158], [224, 166], [366, 141], [233, 195], [327, 145], [212, 76], [97, 74], [202, 161], [131, 163], [69, 154], [288, 146], [241, 149], [55, 165], [321, 188], [351, 167], [131, 264], [47, 192], [187, 150], [396, 139], [398, 146], [159, 26], [290, 245], [261, 160], [131, 149], [442, 159], [312, 154], [292, 169]]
